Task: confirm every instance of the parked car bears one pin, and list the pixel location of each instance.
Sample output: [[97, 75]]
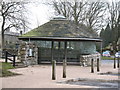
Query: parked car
[[117, 54], [106, 53], [97, 53]]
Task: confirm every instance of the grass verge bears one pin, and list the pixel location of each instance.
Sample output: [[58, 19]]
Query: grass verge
[[4, 69], [107, 58]]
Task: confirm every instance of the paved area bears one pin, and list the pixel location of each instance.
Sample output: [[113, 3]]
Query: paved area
[[39, 76]]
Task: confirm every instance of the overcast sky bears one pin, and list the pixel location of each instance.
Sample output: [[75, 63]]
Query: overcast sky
[[40, 13]]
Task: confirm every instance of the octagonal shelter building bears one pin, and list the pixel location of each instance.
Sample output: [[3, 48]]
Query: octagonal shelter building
[[59, 39]]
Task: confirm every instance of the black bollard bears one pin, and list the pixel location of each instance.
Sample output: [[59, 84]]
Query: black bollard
[[53, 70], [114, 62], [92, 66], [64, 68], [98, 65], [118, 63]]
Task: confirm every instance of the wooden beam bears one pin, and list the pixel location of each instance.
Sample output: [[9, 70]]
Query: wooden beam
[[98, 65], [53, 69], [64, 68], [65, 60], [92, 66]]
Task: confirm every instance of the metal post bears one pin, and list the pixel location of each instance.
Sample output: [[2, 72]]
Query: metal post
[[6, 56], [118, 63], [92, 66], [52, 46], [65, 50], [114, 62], [13, 60], [53, 70], [98, 65], [59, 51]]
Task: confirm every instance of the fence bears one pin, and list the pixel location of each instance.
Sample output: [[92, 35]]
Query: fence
[[7, 54]]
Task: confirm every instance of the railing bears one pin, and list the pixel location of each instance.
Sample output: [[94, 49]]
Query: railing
[[6, 57]]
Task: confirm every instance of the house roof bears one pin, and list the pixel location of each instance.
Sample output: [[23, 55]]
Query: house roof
[[61, 28]]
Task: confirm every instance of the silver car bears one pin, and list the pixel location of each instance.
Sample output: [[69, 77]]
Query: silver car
[[117, 54]]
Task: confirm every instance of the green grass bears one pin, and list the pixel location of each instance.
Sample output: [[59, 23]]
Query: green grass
[[107, 58], [4, 69]]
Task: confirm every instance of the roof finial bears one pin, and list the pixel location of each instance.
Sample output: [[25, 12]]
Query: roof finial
[[59, 17]]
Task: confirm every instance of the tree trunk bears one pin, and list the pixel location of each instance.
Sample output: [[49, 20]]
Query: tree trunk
[[3, 41], [2, 36]]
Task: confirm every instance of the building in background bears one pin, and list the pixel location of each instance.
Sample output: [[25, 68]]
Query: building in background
[[11, 38]]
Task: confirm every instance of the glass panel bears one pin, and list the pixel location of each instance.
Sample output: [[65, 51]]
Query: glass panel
[[74, 50]]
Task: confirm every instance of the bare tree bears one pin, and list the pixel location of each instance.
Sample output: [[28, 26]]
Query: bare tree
[[62, 8], [78, 11], [72, 10], [114, 15], [95, 13], [89, 13], [13, 17]]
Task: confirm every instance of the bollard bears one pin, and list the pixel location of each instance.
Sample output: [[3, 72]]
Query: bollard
[[92, 66], [64, 68], [118, 63], [53, 69], [114, 62], [98, 65]]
